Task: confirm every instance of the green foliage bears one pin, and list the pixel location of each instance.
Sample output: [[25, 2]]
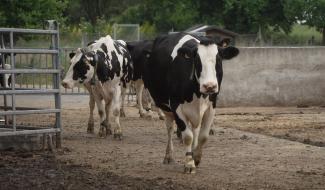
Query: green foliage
[[274, 18], [148, 31], [30, 13], [299, 35]]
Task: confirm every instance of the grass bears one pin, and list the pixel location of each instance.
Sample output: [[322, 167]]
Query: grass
[[300, 35]]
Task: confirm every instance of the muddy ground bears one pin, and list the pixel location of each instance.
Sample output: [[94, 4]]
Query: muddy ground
[[252, 148]]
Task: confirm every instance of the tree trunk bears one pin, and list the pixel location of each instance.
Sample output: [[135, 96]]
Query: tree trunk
[[323, 39]]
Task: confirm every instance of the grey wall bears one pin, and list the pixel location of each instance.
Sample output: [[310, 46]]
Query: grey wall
[[274, 76]]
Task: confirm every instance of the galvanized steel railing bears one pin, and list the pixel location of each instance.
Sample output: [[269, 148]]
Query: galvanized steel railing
[[12, 111]]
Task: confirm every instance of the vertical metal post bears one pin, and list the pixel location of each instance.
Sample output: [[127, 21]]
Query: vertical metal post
[[115, 30], [2, 45], [56, 85], [13, 81], [138, 32], [46, 76]]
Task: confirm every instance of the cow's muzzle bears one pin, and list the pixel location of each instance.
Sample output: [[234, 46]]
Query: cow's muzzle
[[210, 88], [65, 84]]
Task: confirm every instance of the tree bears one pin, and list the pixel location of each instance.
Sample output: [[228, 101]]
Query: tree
[[164, 14], [248, 16], [30, 13], [314, 15]]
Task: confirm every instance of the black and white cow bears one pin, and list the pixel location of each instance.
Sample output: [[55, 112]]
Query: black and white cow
[[138, 51], [5, 79], [184, 75], [107, 64]]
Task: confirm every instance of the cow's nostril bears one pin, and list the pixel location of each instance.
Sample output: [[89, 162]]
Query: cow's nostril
[[210, 86], [64, 84]]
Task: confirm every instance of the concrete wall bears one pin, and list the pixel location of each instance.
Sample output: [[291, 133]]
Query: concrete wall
[[275, 76]]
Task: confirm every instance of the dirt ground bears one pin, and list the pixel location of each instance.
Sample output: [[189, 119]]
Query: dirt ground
[[252, 148]]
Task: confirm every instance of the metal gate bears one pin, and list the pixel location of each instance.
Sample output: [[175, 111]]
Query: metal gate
[[17, 118]]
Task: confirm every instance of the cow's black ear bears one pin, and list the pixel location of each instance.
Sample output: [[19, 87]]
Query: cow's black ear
[[228, 52], [186, 52], [71, 55], [92, 58], [129, 46], [224, 42]]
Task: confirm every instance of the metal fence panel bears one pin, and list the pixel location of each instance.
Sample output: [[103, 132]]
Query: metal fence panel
[[33, 71]]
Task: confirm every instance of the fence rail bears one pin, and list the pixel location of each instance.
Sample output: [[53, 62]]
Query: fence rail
[[49, 67]]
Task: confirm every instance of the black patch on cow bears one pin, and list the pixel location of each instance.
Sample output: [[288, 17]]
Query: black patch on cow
[[104, 48], [180, 123], [71, 55], [206, 42], [228, 52], [2, 84], [80, 69], [139, 51], [90, 43], [117, 47]]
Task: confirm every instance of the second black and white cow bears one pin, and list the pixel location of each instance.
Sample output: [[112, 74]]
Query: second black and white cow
[[107, 64], [184, 75], [138, 51], [5, 79]]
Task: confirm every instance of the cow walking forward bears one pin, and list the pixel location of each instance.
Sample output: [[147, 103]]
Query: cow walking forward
[[106, 64], [183, 75], [139, 58]]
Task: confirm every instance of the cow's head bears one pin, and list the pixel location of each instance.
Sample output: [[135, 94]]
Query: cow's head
[[207, 59], [81, 68]]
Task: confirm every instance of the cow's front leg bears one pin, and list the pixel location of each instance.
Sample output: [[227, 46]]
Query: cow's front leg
[[187, 137], [189, 166], [204, 134], [169, 150], [91, 122], [90, 128]]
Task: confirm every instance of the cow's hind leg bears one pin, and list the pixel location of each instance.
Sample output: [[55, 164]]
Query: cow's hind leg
[[116, 105], [204, 134], [107, 121], [139, 91], [123, 94], [103, 120], [169, 150]]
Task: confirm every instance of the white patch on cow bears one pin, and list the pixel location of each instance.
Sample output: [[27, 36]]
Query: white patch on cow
[[68, 80], [6, 76], [208, 76], [181, 42], [194, 110]]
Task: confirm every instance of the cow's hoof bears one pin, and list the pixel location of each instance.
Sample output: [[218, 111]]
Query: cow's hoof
[[118, 136], [161, 117], [90, 130], [101, 134], [179, 133], [212, 132], [109, 132], [168, 160], [122, 113], [197, 155], [189, 170], [142, 115]]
